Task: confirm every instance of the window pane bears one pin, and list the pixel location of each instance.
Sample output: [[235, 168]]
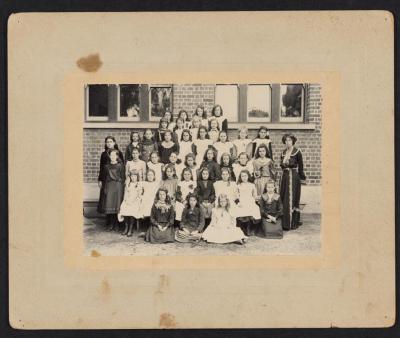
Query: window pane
[[98, 101], [291, 103], [160, 101], [227, 97], [129, 96], [258, 103]]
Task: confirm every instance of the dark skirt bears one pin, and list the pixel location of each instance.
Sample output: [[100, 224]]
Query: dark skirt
[[113, 197], [290, 192], [100, 205], [154, 235], [270, 230]]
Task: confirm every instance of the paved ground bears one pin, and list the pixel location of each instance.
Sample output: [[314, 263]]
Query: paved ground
[[302, 241]]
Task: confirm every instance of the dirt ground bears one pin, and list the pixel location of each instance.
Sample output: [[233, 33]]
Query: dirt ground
[[303, 241]]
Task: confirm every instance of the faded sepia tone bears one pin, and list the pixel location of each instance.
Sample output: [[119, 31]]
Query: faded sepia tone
[[352, 279]]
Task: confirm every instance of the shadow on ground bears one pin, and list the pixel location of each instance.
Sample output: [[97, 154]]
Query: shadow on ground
[[303, 241]]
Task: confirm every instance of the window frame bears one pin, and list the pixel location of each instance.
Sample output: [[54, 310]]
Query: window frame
[[298, 119], [127, 118], [237, 85], [96, 118], [258, 119], [151, 118]]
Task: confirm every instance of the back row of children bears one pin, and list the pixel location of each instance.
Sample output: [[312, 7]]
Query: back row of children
[[190, 163]]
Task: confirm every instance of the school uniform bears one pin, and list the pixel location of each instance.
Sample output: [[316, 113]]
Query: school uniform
[[270, 205], [163, 215]]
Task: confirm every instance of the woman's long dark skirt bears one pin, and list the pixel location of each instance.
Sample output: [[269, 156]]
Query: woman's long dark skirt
[[290, 192]]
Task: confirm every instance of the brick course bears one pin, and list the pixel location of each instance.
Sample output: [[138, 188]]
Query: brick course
[[187, 97]]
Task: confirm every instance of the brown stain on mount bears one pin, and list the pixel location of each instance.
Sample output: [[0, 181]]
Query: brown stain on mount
[[167, 321], [95, 253], [90, 63]]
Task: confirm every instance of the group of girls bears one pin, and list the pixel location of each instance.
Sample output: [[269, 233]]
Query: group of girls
[[188, 182]]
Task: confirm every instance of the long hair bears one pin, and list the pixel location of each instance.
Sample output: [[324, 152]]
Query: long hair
[[186, 131], [205, 129], [163, 119], [133, 173], [167, 198], [228, 171], [200, 175], [262, 145], [263, 128], [243, 128], [168, 132], [215, 107], [186, 170], [152, 135], [222, 162], [119, 160], [228, 204], [151, 171], [115, 142], [190, 155], [176, 123], [205, 159], [169, 166], [239, 181], [180, 115], [212, 120], [154, 152], [243, 153], [188, 197], [199, 106], [223, 132], [133, 132]]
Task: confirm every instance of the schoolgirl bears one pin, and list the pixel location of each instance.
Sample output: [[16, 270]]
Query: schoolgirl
[[150, 187], [162, 218], [194, 130], [193, 221], [135, 143], [263, 169], [170, 182], [222, 228], [243, 144], [210, 162], [185, 118], [185, 145], [205, 192], [226, 162], [109, 145], [148, 145], [218, 113], [130, 209], [213, 133], [205, 118], [162, 128], [223, 145], [185, 187], [271, 212], [229, 188], [113, 189], [176, 162], [262, 138], [156, 166], [201, 144], [243, 163], [136, 164], [166, 147], [179, 127]]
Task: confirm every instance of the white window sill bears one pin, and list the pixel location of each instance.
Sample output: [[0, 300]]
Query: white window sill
[[233, 125]]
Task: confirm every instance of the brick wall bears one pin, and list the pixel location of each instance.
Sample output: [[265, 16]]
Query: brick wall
[[188, 97]]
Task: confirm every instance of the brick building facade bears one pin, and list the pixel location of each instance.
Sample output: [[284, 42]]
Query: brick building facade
[[188, 97]]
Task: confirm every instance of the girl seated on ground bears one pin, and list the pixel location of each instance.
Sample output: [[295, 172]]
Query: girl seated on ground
[[271, 211], [130, 209], [192, 222], [222, 228], [162, 219]]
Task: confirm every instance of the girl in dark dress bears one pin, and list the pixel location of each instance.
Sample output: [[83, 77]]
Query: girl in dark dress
[[135, 143], [210, 162], [166, 147], [205, 192], [162, 128], [162, 219], [192, 222], [113, 189], [148, 145], [109, 145], [271, 212], [226, 162], [290, 191], [218, 113], [262, 138]]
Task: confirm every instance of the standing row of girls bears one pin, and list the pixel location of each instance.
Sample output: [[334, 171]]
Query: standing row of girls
[[203, 181]]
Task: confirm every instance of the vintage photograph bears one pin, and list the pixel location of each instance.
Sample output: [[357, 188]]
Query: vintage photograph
[[202, 169]]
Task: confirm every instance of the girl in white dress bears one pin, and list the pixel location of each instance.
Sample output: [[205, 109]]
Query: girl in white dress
[[156, 166], [243, 164], [201, 144], [247, 206], [262, 138], [218, 113], [130, 207], [222, 228], [194, 130], [185, 144], [179, 128], [205, 118], [224, 146], [213, 133], [228, 188], [243, 142], [150, 188]]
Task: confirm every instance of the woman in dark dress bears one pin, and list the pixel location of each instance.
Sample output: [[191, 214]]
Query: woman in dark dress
[[162, 219], [109, 145], [290, 191], [113, 188]]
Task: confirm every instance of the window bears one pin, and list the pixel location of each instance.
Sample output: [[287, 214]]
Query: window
[[258, 103], [227, 95], [96, 102], [129, 102], [291, 103], [160, 101]]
